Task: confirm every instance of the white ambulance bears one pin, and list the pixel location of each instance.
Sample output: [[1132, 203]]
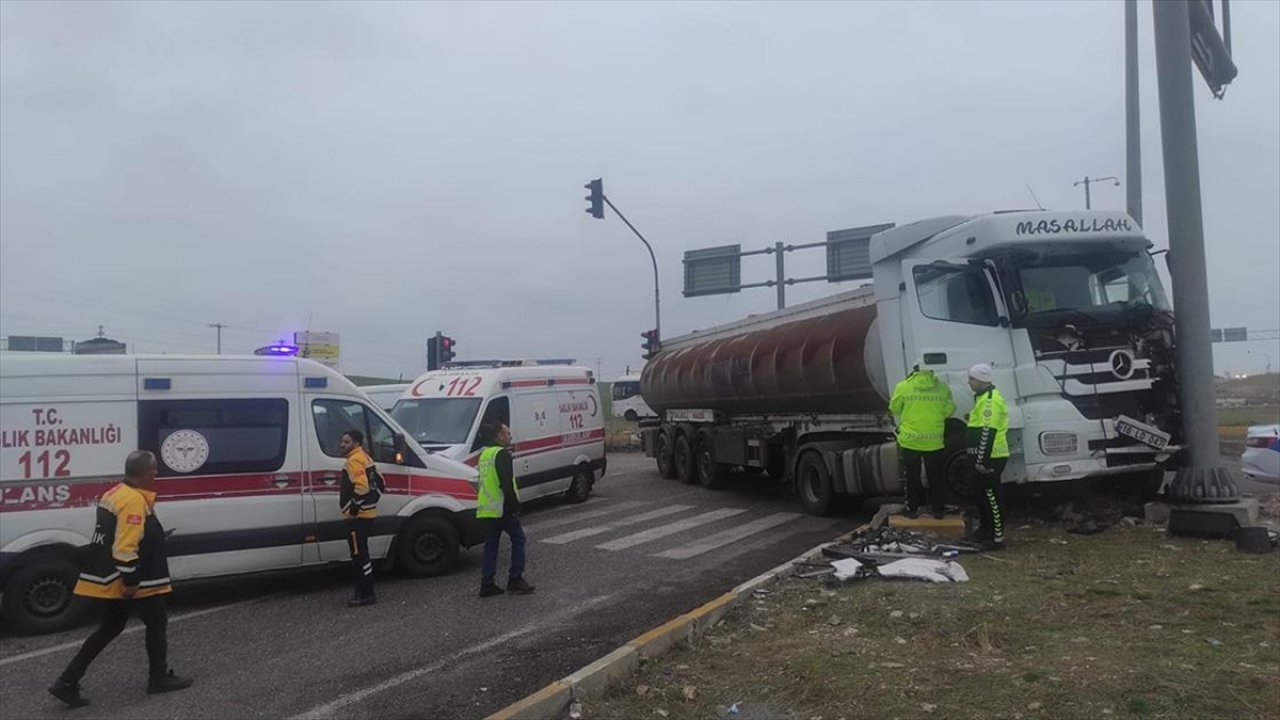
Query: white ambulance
[[249, 470], [554, 412], [385, 395]]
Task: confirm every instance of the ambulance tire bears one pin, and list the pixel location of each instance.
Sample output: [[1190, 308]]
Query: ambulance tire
[[39, 596], [683, 460], [428, 546], [580, 488]]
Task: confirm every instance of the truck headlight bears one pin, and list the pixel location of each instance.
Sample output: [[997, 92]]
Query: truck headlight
[[1058, 443]]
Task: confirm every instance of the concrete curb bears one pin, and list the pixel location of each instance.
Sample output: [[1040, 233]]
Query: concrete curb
[[552, 702]]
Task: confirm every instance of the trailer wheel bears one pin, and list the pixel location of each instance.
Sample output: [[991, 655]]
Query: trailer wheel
[[39, 598], [683, 460], [662, 453], [813, 482], [710, 473]]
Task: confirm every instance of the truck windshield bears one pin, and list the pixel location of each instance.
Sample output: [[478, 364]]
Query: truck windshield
[[437, 421], [1055, 283]]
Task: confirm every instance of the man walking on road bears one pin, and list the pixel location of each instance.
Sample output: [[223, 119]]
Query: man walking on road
[[126, 568], [988, 445], [498, 509], [361, 488], [922, 404]]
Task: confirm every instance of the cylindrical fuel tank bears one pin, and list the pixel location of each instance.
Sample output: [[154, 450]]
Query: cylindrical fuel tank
[[830, 364]]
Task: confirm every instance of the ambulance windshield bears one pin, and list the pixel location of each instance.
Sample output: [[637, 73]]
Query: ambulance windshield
[[437, 421]]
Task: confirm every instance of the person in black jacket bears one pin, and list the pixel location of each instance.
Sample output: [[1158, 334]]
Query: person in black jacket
[[126, 569]]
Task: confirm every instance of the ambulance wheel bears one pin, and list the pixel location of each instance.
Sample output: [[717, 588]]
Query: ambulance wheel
[[580, 488], [813, 483], [666, 467], [710, 473], [428, 546], [39, 598], [682, 458]]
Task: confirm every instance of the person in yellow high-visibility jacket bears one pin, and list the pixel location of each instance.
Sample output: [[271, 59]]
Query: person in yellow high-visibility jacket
[[358, 496], [125, 568], [498, 509], [988, 445], [922, 404]]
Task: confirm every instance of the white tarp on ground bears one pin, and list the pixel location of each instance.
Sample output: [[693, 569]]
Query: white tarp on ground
[[918, 568]]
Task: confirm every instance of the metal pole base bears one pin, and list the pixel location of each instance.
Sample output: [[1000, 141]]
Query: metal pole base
[[1203, 485]]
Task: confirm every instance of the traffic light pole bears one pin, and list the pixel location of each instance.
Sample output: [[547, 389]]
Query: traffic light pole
[[1201, 479], [657, 312]]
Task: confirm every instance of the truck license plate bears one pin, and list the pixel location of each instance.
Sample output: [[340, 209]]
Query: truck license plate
[[1146, 434]]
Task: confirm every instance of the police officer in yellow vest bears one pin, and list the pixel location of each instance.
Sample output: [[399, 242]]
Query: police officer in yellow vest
[[498, 509], [922, 404], [358, 497], [988, 444], [126, 569]]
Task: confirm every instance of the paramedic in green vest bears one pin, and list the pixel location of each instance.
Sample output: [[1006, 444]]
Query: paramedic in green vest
[[922, 404], [498, 509], [988, 445]]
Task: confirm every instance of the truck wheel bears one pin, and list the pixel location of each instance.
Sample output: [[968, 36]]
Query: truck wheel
[[813, 482], [580, 488], [39, 597], [683, 460], [710, 473], [666, 468], [428, 546], [959, 474]]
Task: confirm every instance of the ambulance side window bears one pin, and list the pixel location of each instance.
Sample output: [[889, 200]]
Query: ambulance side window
[[215, 436], [334, 417], [498, 410]]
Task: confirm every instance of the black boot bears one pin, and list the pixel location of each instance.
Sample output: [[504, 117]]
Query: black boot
[[362, 600], [490, 589], [910, 511], [520, 585], [168, 683], [69, 693]]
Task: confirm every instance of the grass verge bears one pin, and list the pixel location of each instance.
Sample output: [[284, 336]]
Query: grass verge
[[1128, 623]]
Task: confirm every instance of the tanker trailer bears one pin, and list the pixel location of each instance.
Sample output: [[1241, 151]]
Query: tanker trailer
[[799, 393]]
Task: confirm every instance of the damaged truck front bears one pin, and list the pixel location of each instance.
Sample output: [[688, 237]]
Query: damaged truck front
[[1067, 309]]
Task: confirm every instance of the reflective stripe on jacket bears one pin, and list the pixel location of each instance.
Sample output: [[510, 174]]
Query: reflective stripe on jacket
[[988, 426], [922, 403], [127, 549]]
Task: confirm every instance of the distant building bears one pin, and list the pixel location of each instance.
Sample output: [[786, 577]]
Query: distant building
[[101, 345]]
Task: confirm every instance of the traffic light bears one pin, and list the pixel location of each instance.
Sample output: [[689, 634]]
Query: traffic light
[[446, 350], [433, 352], [651, 345], [595, 200]]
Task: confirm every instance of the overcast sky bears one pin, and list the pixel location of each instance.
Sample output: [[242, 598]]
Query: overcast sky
[[384, 171]]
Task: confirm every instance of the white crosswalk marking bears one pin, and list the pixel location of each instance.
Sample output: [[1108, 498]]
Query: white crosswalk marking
[[600, 529], [669, 529], [579, 517], [733, 534]]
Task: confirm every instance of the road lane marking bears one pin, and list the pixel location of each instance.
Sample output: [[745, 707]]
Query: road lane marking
[[328, 709], [546, 524], [599, 529], [662, 531], [132, 629], [733, 534]]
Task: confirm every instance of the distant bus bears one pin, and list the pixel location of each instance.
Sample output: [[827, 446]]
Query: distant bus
[[627, 403]]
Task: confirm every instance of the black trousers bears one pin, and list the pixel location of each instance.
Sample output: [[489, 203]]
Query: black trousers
[[990, 507], [934, 462], [361, 563], [115, 613]]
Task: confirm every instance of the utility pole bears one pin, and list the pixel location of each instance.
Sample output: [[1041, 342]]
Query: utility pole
[[1201, 479], [1132, 126], [219, 327], [1088, 203]]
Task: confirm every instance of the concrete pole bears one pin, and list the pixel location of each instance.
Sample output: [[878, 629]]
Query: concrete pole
[[782, 286], [1133, 128], [1201, 479]]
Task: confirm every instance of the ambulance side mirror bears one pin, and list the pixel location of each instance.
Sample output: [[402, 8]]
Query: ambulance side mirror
[[402, 449]]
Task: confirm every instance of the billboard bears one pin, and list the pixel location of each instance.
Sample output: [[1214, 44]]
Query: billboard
[[322, 347]]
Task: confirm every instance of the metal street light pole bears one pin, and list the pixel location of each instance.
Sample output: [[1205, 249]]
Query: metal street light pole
[[1088, 204], [657, 303], [1201, 478], [219, 326]]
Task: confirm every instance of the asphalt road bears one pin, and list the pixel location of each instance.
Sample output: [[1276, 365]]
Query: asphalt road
[[640, 552]]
